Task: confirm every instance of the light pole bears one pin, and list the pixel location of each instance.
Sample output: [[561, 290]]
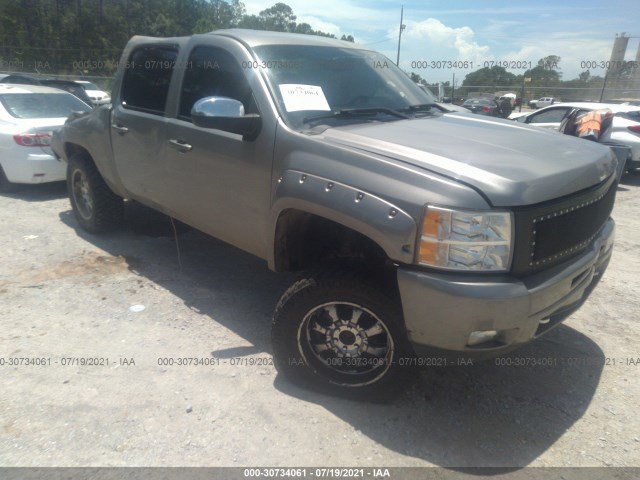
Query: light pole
[[525, 79], [453, 87], [402, 27], [604, 84]]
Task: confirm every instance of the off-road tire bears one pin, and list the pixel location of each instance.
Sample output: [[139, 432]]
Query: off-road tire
[[311, 328], [95, 206]]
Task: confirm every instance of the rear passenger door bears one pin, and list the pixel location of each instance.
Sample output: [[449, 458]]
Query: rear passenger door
[[137, 121]]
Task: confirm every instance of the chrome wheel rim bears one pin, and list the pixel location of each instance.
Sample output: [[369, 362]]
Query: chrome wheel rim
[[346, 342], [82, 194]]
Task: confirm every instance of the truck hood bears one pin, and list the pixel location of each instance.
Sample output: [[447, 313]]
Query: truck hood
[[508, 163]]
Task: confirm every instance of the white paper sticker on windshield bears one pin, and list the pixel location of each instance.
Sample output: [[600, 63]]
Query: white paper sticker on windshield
[[303, 97]]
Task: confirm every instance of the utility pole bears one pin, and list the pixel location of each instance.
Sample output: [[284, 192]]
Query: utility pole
[[524, 80], [402, 27], [453, 87], [604, 84]]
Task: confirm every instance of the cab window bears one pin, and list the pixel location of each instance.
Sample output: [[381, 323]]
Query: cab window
[[146, 80], [213, 72]]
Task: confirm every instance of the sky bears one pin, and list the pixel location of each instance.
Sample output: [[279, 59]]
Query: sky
[[478, 32]]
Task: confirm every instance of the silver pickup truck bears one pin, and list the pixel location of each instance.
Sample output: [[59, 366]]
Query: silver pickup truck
[[422, 229]]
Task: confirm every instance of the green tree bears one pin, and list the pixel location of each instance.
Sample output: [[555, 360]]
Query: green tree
[[417, 78], [540, 75], [546, 73], [550, 62], [86, 37], [488, 78], [279, 17]]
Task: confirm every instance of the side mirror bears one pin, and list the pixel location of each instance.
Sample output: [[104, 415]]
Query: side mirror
[[225, 114]]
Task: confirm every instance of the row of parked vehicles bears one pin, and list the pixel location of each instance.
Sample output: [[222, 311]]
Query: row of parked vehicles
[[622, 127]]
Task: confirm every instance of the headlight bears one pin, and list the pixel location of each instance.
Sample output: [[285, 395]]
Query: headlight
[[466, 240]]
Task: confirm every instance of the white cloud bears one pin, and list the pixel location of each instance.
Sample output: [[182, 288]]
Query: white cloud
[[434, 34], [328, 10], [432, 40], [573, 54], [367, 23]]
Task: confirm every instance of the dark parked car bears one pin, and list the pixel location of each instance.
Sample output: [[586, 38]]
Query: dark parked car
[[21, 79], [485, 106], [66, 85]]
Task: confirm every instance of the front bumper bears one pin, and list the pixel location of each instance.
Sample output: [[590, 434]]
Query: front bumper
[[441, 310]]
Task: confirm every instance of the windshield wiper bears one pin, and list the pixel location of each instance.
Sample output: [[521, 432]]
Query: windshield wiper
[[356, 112]]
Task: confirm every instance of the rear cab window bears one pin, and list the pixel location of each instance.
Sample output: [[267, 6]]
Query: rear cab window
[[147, 77]]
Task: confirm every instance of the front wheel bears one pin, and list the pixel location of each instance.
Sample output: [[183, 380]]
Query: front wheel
[[344, 332], [95, 206]]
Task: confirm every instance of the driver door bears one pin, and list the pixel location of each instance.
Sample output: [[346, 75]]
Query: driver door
[[218, 182]]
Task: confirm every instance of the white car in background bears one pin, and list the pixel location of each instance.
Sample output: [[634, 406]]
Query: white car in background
[[97, 96], [543, 102], [624, 129], [28, 116]]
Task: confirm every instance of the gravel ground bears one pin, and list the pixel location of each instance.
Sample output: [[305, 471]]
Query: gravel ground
[[67, 295]]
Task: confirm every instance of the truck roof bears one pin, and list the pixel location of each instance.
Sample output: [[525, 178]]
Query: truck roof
[[250, 39], [255, 38]]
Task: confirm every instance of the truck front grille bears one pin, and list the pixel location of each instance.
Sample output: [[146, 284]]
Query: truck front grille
[[550, 233]]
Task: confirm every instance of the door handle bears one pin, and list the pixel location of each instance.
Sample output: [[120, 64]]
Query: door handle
[[180, 145], [119, 128]]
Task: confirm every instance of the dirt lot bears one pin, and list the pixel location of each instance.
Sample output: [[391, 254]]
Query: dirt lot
[[67, 295]]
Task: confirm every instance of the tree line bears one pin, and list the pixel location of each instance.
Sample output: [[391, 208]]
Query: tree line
[[87, 36], [543, 79]]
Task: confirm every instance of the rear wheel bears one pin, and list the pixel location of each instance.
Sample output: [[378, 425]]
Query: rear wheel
[[341, 331], [95, 206]]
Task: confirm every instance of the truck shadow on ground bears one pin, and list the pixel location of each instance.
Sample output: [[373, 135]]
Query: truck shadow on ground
[[503, 413], [500, 413]]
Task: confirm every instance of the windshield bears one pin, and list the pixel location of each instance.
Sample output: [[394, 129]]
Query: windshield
[[311, 82], [42, 105]]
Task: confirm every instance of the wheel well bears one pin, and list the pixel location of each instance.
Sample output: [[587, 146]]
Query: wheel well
[[305, 240], [72, 149]]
